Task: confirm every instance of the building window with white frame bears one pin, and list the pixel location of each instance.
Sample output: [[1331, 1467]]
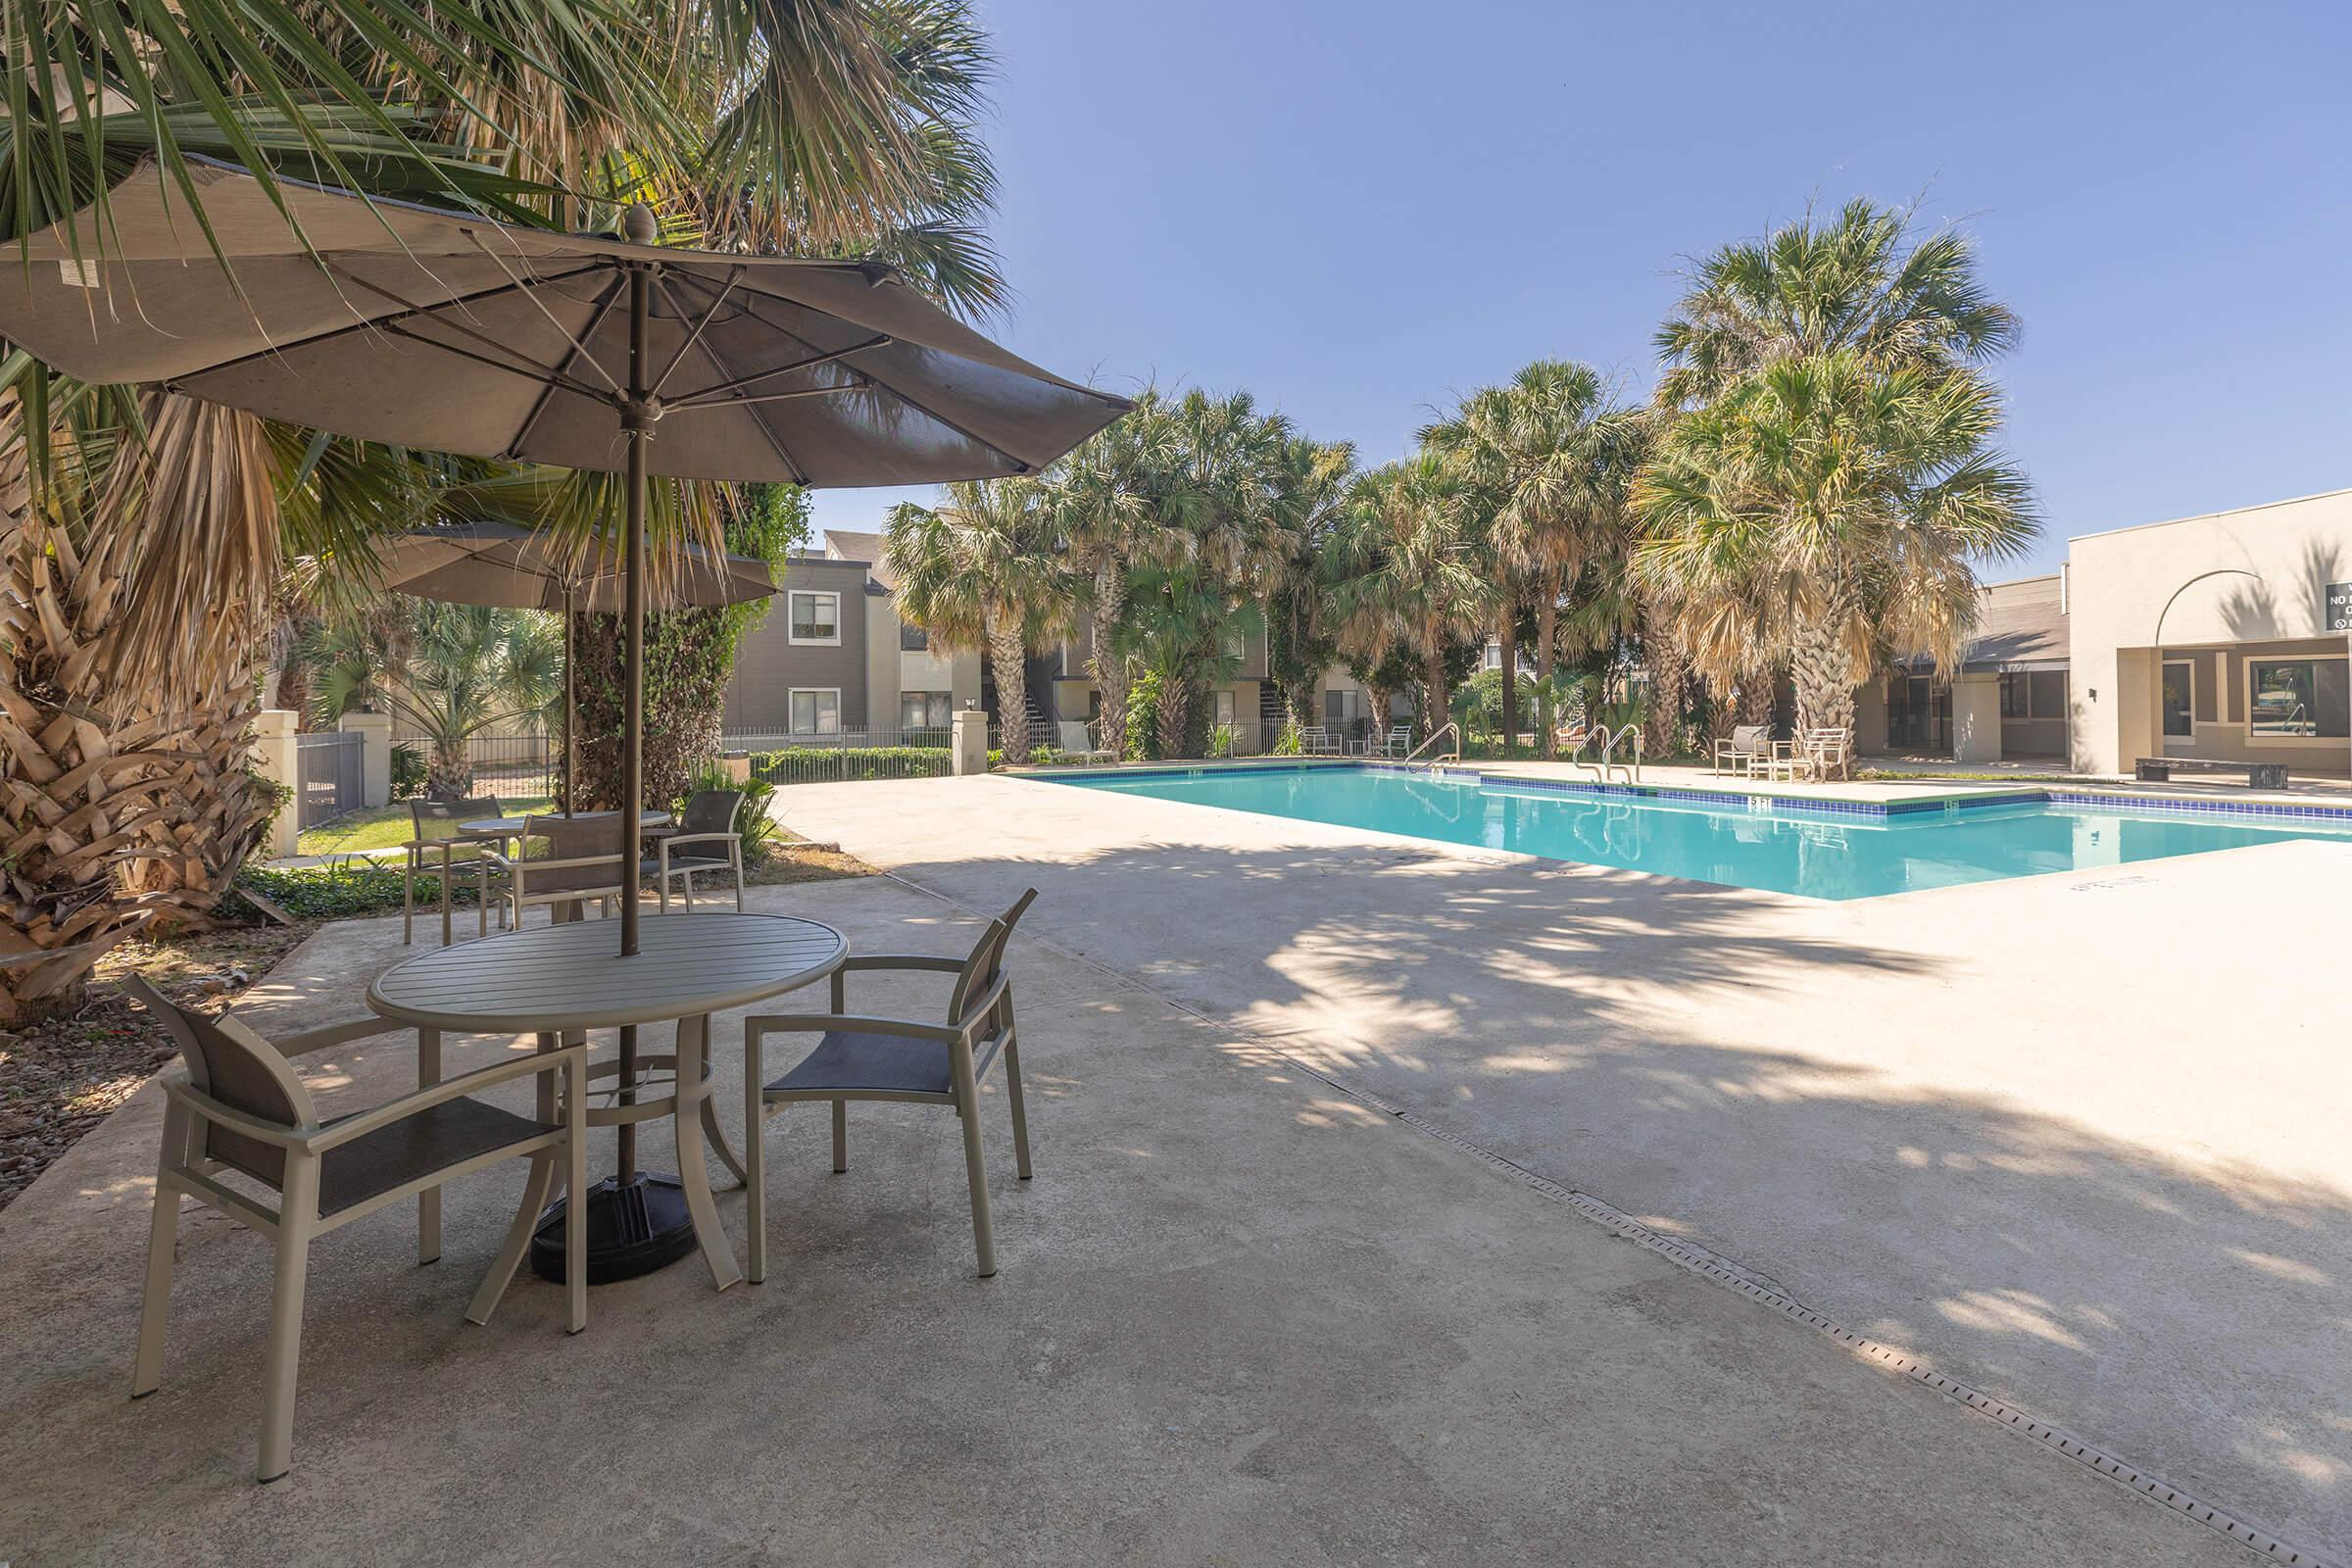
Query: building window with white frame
[[2298, 698], [925, 709], [815, 617], [816, 711]]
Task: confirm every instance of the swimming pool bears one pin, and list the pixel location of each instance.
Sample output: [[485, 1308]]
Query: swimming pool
[[1846, 851]]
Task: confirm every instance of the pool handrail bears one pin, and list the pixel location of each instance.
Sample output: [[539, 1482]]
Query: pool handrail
[[1414, 757]]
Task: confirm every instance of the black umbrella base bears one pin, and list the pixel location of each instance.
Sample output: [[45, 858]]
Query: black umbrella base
[[633, 1229]]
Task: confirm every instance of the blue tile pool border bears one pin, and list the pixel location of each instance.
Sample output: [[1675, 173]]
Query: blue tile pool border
[[1752, 801]]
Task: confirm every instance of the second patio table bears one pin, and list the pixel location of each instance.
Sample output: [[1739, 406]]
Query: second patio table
[[559, 980]]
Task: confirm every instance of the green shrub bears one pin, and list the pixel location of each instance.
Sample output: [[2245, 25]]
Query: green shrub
[[820, 764], [332, 893], [1142, 717], [751, 821], [408, 772], [1287, 743]]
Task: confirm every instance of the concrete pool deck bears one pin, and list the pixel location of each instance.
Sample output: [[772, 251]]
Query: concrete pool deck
[[1244, 1318], [2075, 1140]]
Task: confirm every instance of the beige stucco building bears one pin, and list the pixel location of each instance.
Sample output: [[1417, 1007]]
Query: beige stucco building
[[2216, 637]]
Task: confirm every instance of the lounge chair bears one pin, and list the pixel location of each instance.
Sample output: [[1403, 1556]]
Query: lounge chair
[[888, 1059], [582, 863], [1079, 747], [239, 1110], [1397, 742], [1740, 752], [708, 830], [1317, 741], [441, 850]]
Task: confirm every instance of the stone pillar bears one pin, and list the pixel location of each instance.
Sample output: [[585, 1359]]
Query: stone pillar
[[1977, 719], [375, 754], [273, 757], [971, 741]]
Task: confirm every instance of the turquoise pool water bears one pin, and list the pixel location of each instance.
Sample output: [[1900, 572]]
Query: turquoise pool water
[[1817, 854]]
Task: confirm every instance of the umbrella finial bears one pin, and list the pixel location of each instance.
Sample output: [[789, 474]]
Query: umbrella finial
[[637, 224]]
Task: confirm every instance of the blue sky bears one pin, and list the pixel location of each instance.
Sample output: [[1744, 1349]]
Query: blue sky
[[1359, 210]]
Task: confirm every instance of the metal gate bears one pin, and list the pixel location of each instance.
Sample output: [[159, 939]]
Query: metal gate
[[327, 777]]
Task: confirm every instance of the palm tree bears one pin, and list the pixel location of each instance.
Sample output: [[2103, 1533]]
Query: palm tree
[[1831, 506], [980, 572], [822, 125], [1310, 481], [1858, 282], [1546, 459], [1111, 502], [447, 672], [1413, 571]]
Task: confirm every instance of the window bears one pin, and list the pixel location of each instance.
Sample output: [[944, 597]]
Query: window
[[2292, 699], [2016, 697], [1343, 707], [2050, 693], [816, 712], [914, 639], [1225, 708], [2178, 700], [924, 710], [815, 617]]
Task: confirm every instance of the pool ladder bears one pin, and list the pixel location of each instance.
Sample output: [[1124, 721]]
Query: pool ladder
[[1416, 759], [1610, 740]]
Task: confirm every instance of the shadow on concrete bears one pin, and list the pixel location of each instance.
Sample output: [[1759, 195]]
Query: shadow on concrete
[[2183, 1307]]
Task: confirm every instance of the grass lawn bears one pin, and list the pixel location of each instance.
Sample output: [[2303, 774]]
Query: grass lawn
[[383, 826]]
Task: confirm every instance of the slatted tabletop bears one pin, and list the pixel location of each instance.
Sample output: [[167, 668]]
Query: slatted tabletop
[[512, 826], [571, 976]]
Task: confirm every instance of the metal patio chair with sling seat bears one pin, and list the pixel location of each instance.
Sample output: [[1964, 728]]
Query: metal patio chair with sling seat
[[893, 1060], [1738, 752], [581, 863], [1077, 746], [1829, 751], [239, 1110], [443, 850], [707, 826]]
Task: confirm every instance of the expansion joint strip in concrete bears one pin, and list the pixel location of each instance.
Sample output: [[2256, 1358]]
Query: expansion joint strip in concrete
[[1723, 1271]]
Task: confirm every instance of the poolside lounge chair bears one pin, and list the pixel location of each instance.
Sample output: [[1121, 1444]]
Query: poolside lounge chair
[[1397, 742], [886, 1059], [441, 850], [239, 1110], [1317, 741], [1079, 747], [706, 840], [1740, 752]]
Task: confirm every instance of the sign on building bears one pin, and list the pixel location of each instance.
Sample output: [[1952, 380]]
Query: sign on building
[[2339, 606]]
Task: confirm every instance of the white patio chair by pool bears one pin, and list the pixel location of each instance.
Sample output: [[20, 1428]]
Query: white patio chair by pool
[[895, 1060], [239, 1110], [1829, 751], [1740, 752], [1079, 747], [1397, 742], [1317, 741]]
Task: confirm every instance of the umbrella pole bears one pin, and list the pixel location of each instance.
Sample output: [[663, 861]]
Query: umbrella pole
[[572, 708], [636, 422]]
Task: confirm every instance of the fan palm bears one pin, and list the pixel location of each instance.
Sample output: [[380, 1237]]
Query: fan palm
[[822, 125], [1413, 571], [1547, 459], [1826, 505], [979, 572]]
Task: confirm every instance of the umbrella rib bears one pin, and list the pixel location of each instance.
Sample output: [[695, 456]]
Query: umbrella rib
[[767, 432], [373, 322], [604, 308], [1019, 465], [543, 373], [734, 276], [540, 306], [726, 391]]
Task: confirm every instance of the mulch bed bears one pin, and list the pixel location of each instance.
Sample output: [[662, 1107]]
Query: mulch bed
[[61, 1078]]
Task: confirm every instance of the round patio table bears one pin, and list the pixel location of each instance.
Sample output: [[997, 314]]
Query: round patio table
[[558, 981]]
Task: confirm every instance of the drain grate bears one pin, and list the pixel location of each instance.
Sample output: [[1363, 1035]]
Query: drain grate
[[1723, 1271]]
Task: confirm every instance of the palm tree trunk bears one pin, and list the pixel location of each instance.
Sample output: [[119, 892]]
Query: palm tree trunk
[[1668, 673], [1004, 658], [1823, 675], [1174, 716], [1110, 669], [1548, 627], [1508, 636], [1433, 717]]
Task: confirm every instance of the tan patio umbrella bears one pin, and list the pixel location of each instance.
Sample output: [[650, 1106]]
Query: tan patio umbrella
[[450, 333], [506, 568]]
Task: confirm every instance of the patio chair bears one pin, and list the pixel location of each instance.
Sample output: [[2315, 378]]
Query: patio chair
[[1398, 742], [239, 1110], [1317, 741], [890, 1059], [582, 864], [1829, 751], [441, 850], [1079, 747], [1738, 752], [709, 820]]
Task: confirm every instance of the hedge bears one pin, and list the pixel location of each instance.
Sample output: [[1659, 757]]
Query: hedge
[[819, 765]]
